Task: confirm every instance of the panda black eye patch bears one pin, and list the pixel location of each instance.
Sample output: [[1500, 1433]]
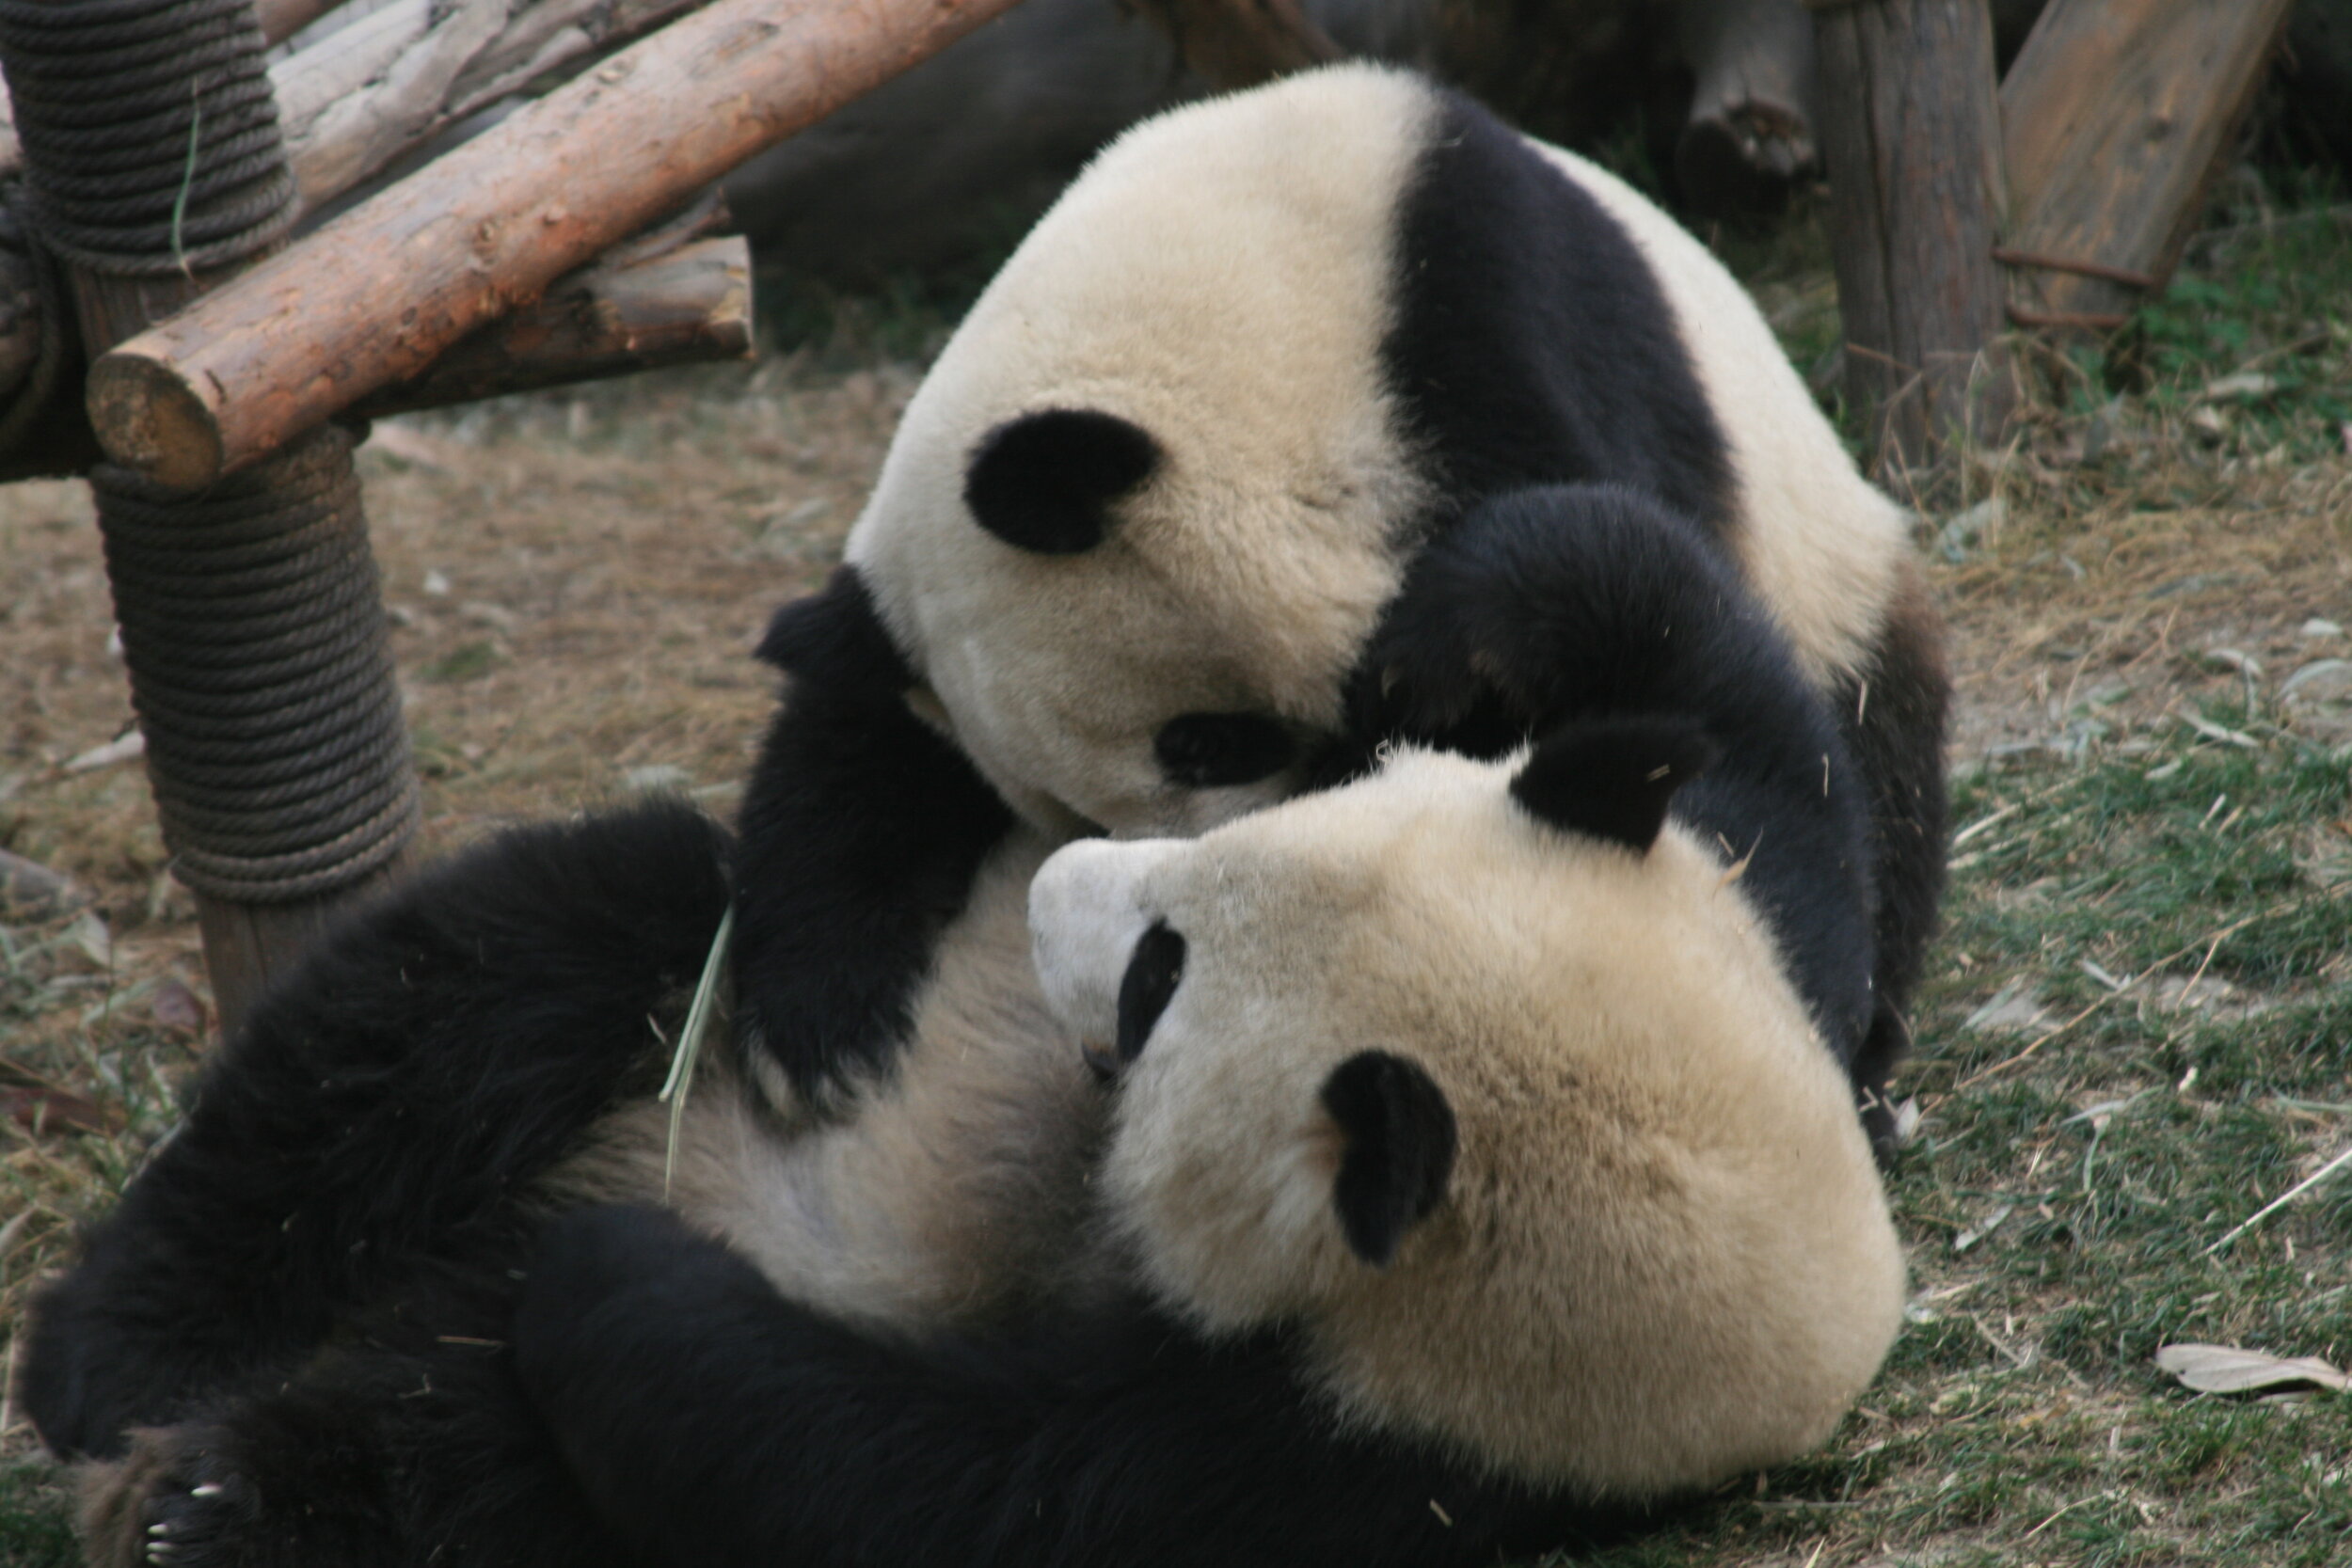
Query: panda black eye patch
[[1154, 972], [1204, 751]]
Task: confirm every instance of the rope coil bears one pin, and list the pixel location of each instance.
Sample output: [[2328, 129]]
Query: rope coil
[[150, 131], [253, 625]]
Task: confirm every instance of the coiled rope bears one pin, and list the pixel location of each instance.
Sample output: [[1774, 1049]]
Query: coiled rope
[[150, 133], [253, 618]]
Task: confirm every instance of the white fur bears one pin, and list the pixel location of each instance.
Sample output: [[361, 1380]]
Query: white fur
[[1219, 278], [952, 1190], [1664, 1257]]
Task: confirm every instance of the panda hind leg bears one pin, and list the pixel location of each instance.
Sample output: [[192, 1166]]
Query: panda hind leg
[[410, 1444], [431, 1056], [1893, 715]]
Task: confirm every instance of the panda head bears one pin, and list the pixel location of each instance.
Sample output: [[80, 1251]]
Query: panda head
[[1148, 502], [1489, 1077]]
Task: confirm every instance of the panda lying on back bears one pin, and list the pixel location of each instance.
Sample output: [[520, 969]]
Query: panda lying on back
[[1277, 1336], [1475, 1162]]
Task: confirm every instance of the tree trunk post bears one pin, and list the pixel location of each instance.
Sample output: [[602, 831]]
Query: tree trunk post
[[1911, 136], [252, 628]]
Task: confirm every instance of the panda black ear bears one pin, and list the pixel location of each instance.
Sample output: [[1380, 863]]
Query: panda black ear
[[1045, 481], [1400, 1149], [1614, 779], [837, 637]]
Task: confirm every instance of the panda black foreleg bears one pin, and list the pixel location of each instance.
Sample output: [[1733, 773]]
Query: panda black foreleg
[[423, 1063], [715, 1423], [862, 828]]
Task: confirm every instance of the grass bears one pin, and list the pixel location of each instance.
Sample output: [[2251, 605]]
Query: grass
[[2067, 1183]]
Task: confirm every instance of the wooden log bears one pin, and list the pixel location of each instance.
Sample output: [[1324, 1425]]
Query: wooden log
[[376, 294], [394, 80], [1749, 134], [1910, 139], [635, 308], [687, 306], [282, 18], [2116, 117]]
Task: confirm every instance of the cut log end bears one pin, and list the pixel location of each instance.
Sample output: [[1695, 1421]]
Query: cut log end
[[153, 422]]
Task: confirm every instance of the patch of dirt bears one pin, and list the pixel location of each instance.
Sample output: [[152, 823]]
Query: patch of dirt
[[2103, 603], [575, 586]]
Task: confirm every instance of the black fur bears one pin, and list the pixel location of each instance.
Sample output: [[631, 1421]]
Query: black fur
[[1892, 712], [1154, 970], [1532, 342], [1045, 481], [1206, 751], [427, 1059], [718, 1425], [1614, 779], [1401, 1141], [862, 830], [1575, 603], [407, 1442]]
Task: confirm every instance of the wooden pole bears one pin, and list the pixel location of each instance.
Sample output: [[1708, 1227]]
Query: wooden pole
[[375, 294], [245, 943], [1910, 135], [2115, 118]]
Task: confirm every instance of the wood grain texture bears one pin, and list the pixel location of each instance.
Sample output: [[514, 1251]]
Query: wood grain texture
[[386, 83], [2115, 116], [375, 294], [1910, 137], [689, 306]]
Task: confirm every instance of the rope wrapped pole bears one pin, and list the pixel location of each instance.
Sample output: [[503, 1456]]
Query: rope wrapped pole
[[1909, 134], [374, 295], [251, 625]]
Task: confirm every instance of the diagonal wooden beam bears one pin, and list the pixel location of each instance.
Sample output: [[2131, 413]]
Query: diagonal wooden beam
[[2115, 118], [375, 294]]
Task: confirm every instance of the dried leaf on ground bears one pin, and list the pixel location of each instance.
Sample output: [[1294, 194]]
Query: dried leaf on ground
[[2227, 1369]]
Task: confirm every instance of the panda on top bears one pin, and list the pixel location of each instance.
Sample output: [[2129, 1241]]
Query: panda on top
[[304, 1304], [1143, 529]]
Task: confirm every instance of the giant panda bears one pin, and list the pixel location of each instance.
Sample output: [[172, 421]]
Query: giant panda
[[1143, 531], [1474, 1163], [291, 1342]]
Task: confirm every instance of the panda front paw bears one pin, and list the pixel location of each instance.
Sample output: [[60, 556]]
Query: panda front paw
[[173, 1501], [200, 1526]]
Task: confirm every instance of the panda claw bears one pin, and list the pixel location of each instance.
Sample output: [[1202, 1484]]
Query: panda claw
[[210, 1489]]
